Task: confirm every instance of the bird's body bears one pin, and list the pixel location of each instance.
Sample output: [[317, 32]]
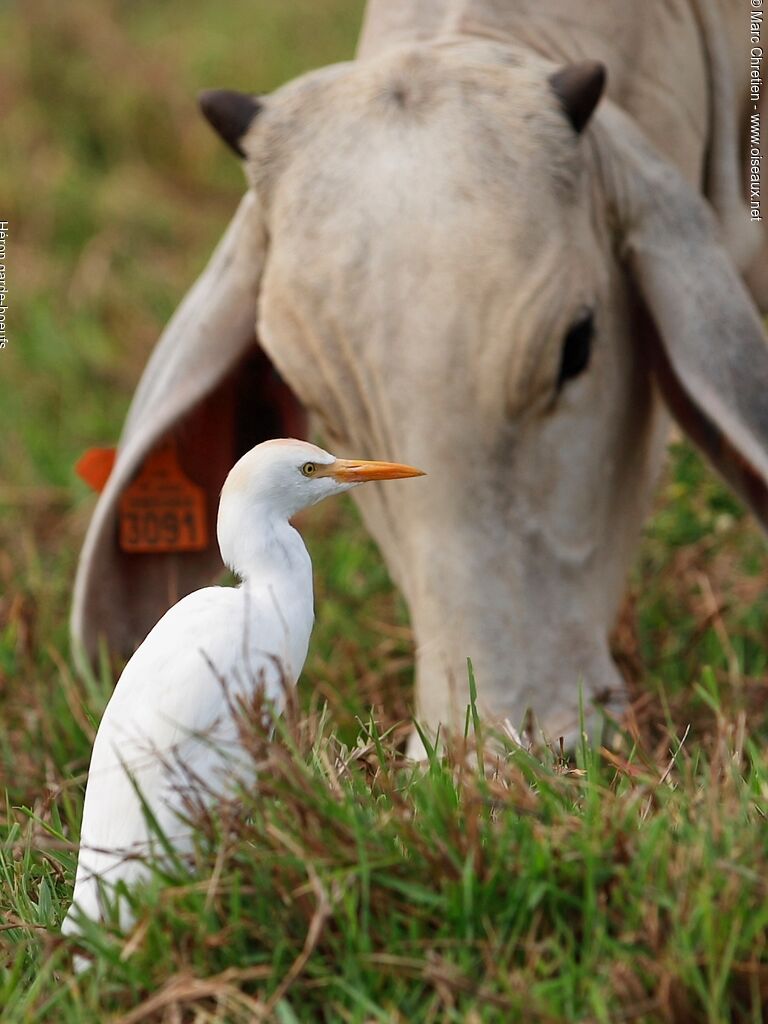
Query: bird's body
[[171, 723]]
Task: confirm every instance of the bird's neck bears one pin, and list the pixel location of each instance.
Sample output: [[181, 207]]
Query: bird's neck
[[276, 572], [265, 550]]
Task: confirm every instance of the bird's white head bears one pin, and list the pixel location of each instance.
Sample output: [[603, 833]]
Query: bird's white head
[[278, 478]]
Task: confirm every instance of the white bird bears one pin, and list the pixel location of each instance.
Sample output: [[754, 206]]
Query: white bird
[[170, 722]]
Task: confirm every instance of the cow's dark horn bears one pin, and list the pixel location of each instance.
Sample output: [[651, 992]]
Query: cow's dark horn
[[230, 113], [579, 88]]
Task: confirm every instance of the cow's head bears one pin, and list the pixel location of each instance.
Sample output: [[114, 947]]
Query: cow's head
[[452, 262]]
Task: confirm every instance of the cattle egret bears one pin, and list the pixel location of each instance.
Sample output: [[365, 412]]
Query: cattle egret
[[171, 723]]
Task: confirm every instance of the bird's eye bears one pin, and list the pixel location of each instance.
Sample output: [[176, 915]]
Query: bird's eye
[[309, 469], [577, 348]]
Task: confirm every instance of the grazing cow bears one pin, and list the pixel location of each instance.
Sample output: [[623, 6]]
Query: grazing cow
[[464, 250]]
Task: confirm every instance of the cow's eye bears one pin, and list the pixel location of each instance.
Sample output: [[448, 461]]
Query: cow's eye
[[577, 348]]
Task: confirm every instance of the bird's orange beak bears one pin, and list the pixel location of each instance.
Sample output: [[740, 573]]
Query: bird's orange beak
[[357, 471]]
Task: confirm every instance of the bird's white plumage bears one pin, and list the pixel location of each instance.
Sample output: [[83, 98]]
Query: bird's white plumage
[[170, 709], [170, 720]]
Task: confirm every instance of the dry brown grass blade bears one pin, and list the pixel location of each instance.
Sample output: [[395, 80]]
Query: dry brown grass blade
[[438, 972], [183, 989], [665, 774], [316, 925]]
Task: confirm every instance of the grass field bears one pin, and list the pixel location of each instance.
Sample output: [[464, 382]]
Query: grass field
[[351, 887]]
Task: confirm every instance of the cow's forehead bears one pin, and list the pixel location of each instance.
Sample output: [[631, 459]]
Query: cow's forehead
[[477, 114], [432, 65]]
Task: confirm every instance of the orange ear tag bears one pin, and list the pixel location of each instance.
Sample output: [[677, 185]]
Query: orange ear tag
[[95, 465], [162, 511]]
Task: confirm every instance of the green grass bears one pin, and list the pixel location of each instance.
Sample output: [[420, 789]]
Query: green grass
[[351, 886]]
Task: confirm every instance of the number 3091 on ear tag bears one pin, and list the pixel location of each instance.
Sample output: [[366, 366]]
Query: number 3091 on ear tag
[[162, 511]]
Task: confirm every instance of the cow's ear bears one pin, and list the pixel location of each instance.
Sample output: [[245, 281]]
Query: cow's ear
[[711, 358], [207, 394], [579, 87]]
